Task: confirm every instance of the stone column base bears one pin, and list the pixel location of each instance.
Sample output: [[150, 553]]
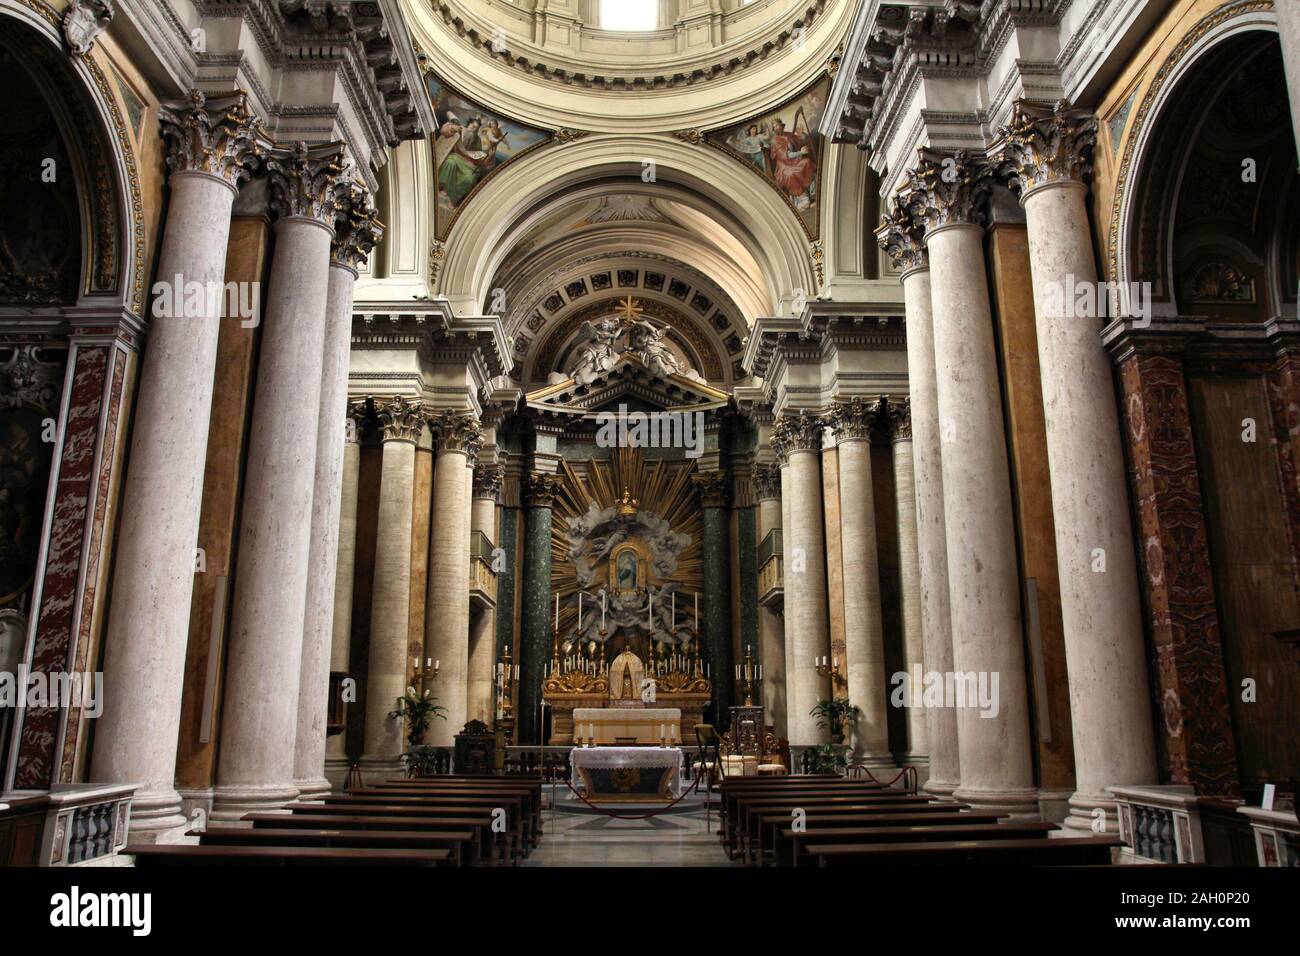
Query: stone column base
[[231, 802], [1021, 805], [313, 789]]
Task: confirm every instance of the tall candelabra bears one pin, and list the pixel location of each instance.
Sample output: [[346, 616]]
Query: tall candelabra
[[748, 674]]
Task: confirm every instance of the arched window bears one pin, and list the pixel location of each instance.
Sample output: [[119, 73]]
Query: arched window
[[629, 14]]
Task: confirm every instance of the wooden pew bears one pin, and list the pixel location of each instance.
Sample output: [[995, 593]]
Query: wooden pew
[[532, 794], [734, 800], [744, 830], [481, 849], [453, 840], [928, 832], [188, 854], [510, 842], [771, 825], [510, 801], [1070, 851]]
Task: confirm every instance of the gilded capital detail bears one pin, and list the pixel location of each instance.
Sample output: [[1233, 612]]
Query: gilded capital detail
[[401, 419], [456, 432], [305, 181], [855, 419], [540, 489], [713, 487], [902, 238], [795, 433], [487, 483], [1044, 145], [766, 480], [218, 136], [946, 189], [356, 227]]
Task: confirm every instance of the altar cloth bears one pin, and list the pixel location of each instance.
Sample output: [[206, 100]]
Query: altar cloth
[[628, 773], [646, 724]]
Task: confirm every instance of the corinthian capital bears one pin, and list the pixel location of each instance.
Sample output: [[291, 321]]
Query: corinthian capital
[[1044, 145], [401, 419], [713, 487], [767, 482], [540, 489], [945, 189], [356, 227], [855, 419], [305, 181], [795, 433], [898, 413], [454, 432], [218, 136], [487, 483], [902, 238]]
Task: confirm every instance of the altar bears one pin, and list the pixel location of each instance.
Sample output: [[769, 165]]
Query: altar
[[627, 725], [628, 774]]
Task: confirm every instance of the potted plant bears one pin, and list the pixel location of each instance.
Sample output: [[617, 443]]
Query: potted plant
[[418, 710], [422, 761], [835, 712], [826, 758]]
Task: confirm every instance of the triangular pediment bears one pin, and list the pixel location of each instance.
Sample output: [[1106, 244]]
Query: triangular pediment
[[629, 377]]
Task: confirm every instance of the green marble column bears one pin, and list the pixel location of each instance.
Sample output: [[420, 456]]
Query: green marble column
[[716, 620], [536, 613]]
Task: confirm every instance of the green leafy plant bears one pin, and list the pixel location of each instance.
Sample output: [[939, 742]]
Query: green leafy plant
[[422, 761], [418, 710], [826, 758], [835, 712]]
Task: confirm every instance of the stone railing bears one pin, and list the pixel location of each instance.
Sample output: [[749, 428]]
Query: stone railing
[[79, 824], [1277, 835], [1159, 824], [771, 571]]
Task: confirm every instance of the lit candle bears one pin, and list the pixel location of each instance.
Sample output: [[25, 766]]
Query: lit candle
[[650, 605], [557, 612], [579, 610], [603, 596], [697, 611]]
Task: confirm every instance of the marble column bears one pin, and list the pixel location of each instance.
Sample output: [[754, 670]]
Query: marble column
[[852, 423], [771, 635], [1288, 28], [457, 439], [1047, 154], [264, 656], [212, 146], [535, 613], [336, 756], [482, 648], [716, 639], [898, 414], [798, 441], [947, 194], [390, 604], [355, 232], [901, 237]]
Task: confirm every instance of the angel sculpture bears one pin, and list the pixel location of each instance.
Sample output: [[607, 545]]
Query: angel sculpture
[[596, 352], [644, 340]]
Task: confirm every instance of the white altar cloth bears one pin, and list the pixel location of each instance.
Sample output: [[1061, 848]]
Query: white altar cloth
[[612, 758], [646, 724]]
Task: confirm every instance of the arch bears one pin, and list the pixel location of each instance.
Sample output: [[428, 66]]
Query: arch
[[738, 199]]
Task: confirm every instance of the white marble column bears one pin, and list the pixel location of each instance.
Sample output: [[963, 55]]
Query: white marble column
[[457, 439], [798, 440], [264, 659], [984, 584], [864, 634], [212, 145], [356, 231], [482, 648], [771, 633], [898, 413], [1288, 28], [1047, 152], [390, 604], [336, 757]]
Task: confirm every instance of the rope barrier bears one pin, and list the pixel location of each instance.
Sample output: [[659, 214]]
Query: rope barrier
[[908, 771], [629, 816]]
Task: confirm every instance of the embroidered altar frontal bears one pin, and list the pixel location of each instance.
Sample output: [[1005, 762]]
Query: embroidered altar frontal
[[627, 774]]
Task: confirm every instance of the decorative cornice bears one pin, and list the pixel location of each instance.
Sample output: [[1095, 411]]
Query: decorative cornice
[[713, 487], [796, 433], [1044, 145], [456, 432], [218, 136], [945, 189], [306, 181], [855, 419], [401, 419], [902, 238], [766, 480], [356, 227], [540, 489], [488, 481]]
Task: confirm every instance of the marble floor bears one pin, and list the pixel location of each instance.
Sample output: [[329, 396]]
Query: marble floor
[[576, 835]]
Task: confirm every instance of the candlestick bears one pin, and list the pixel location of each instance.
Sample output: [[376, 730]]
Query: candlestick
[[579, 611], [557, 612]]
